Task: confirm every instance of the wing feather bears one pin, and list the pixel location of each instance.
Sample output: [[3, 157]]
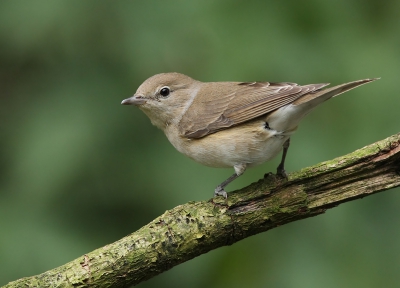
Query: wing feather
[[220, 105]]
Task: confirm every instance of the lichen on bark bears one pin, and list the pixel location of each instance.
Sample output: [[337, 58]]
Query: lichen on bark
[[195, 228]]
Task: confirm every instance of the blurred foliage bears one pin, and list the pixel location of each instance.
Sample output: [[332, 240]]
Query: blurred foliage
[[78, 170]]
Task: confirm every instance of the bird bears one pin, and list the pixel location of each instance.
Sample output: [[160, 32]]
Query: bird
[[230, 124]]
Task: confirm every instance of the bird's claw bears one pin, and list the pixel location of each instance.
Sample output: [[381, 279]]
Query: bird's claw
[[281, 173], [219, 191]]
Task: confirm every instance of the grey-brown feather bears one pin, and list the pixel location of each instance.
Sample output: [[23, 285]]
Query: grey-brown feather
[[233, 103]]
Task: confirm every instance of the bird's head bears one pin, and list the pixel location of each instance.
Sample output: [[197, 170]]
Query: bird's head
[[164, 97]]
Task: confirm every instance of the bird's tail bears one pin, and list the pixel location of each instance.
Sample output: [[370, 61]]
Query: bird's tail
[[314, 99], [288, 117]]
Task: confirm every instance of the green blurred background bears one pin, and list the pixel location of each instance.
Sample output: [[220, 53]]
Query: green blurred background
[[79, 171]]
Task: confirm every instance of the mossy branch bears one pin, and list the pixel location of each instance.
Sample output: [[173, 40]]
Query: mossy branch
[[192, 229]]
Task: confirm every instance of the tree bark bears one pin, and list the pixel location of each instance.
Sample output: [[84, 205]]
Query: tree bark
[[194, 228]]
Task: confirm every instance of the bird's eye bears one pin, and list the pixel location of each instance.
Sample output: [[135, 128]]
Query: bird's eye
[[164, 91]]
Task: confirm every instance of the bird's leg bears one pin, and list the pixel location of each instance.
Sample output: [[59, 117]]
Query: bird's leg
[[239, 170], [219, 191], [280, 171]]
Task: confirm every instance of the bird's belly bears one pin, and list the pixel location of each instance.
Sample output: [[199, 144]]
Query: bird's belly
[[249, 143]]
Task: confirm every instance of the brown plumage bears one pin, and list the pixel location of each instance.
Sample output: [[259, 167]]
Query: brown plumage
[[231, 103], [230, 124]]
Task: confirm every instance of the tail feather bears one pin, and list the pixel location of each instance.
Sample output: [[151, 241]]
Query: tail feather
[[320, 96], [288, 117]]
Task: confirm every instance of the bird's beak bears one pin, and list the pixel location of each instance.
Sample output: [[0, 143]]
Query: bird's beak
[[134, 100]]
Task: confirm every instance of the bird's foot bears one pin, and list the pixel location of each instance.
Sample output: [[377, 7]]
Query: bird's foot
[[219, 191], [281, 172]]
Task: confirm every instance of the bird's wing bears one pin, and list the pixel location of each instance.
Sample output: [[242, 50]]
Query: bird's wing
[[231, 103]]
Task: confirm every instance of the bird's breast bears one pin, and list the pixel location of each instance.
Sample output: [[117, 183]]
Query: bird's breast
[[251, 143]]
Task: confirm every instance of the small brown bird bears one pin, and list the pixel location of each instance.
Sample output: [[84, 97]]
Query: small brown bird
[[230, 124]]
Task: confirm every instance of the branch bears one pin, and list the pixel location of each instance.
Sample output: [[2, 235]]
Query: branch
[[192, 229]]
